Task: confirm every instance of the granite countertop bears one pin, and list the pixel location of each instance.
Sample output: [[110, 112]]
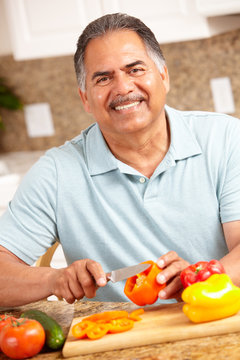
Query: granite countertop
[[213, 347]]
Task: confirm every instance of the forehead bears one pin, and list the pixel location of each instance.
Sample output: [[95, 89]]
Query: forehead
[[114, 48]]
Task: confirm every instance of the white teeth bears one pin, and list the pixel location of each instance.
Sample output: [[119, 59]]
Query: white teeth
[[127, 106]]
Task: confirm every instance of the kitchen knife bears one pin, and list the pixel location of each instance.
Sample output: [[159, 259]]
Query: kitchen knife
[[126, 272]]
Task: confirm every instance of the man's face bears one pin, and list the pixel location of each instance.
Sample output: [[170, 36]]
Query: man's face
[[125, 91]]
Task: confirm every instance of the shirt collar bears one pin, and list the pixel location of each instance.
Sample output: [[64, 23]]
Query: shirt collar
[[183, 141], [100, 159]]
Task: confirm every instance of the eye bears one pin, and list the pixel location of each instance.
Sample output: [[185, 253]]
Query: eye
[[103, 80], [137, 71]]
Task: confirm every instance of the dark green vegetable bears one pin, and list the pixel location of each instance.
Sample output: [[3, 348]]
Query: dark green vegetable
[[54, 333]]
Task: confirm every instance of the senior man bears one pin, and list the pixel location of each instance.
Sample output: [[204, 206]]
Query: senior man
[[144, 182]]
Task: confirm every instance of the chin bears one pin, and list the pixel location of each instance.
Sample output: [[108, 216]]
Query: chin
[[129, 127]]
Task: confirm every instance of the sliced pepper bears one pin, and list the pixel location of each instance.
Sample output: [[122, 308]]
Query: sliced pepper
[[106, 322], [107, 316], [97, 331], [120, 325], [143, 288], [79, 330], [134, 315], [200, 272], [213, 299]]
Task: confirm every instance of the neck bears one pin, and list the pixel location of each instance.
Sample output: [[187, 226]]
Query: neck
[[143, 150]]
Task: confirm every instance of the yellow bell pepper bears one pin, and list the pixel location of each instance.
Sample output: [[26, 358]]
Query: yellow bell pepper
[[212, 299]]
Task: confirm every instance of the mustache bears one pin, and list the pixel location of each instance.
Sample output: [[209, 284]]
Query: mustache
[[126, 98]]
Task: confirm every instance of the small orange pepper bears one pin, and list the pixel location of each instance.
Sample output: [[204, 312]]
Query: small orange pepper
[[143, 289]]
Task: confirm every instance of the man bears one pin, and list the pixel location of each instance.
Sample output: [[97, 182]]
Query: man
[[145, 182]]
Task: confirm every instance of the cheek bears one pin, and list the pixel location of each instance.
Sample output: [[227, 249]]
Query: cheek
[[97, 98], [149, 82]]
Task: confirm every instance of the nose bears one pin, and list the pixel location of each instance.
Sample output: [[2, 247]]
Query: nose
[[122, 84]]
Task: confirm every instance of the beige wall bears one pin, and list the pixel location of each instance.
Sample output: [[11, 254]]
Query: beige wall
[[191, 66]]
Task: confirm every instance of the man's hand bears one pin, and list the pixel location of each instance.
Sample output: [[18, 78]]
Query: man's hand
[[171, 265], [81, 278]]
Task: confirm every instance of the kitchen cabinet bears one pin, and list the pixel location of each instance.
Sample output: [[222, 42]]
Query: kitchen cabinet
[[218, 7], [43, 28], [174, 20]]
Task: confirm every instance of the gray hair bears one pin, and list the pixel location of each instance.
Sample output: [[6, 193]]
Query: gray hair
[[114, 22]]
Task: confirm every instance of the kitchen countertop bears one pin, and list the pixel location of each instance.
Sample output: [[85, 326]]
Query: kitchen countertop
[[213, 347]]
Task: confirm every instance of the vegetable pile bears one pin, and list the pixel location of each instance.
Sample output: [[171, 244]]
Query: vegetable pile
[[209, 293], [25, 337], [21, 338], [109, 322], [212, 299]]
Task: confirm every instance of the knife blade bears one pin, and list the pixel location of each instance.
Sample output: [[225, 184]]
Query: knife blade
[[126, 272]]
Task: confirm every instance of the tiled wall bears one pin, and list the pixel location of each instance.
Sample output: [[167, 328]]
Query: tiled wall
[[191, 66]]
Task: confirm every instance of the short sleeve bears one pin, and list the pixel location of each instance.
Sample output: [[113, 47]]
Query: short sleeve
[[28, 227], [230, 194]]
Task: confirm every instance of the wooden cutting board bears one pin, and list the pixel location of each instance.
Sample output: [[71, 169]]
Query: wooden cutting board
[[159, 324]]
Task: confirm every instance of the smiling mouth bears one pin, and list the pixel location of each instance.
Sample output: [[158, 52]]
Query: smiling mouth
[[127, 106]]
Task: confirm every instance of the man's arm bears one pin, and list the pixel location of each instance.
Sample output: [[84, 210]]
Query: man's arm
[[231, 261], [22, 284], [172, 264]]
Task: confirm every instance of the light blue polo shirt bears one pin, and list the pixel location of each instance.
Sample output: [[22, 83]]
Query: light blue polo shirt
[[102, 209]]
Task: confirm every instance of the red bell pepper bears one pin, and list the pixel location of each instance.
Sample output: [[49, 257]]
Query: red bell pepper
[[143, 288], [200, 271]]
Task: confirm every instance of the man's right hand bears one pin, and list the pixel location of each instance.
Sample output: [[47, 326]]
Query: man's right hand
[[81, 278], [23, 284]]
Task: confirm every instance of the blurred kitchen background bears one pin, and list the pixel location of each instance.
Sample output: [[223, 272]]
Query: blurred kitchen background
[[199, 38]]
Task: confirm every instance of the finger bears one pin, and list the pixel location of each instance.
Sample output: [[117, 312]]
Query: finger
[[88, 275], [76, 288], [167, 259], [169, 272], [172, 290], [63, 291], [67, 286], [96, 271], [88, 285]]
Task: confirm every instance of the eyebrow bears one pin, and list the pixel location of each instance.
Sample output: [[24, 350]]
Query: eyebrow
[[138, 62], [107, 73], [100, 73]]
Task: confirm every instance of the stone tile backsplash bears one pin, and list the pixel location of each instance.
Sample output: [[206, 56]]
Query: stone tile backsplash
[[191, 66]]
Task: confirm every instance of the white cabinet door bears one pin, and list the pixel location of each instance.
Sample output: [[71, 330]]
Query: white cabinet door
[[218, 7], [170, 20], [41, 28]]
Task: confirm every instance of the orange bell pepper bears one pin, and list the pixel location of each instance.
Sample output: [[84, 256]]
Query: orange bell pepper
[[143, 289]]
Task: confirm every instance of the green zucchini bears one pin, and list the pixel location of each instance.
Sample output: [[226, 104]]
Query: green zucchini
[[54, 333]]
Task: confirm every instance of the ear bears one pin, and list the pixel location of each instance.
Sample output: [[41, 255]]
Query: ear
[[83, 96], [165, 78]]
